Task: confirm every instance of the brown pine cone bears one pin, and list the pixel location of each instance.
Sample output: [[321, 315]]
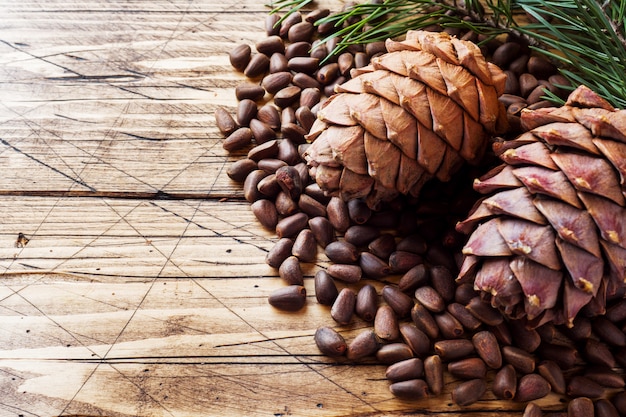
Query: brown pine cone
[[550, 239], [416, 112]]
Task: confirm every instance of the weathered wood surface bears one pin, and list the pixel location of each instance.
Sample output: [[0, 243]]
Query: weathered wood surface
[[143, 288]]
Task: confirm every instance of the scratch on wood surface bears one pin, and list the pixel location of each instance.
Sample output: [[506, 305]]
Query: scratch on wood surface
[[38, 161]]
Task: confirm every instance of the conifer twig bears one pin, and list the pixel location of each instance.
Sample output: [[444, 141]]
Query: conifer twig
[[585, 37]]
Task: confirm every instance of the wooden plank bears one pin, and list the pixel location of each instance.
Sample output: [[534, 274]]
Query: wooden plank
[[128, 108], [175, 347], [141, 238]]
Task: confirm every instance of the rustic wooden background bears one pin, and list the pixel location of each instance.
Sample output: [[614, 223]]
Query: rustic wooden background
[[142, 290]]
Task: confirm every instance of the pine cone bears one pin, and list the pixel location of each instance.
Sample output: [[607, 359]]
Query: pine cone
[[550, 239], [416, 112]]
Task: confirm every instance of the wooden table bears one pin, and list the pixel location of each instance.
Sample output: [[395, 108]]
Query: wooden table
[[141, 289]]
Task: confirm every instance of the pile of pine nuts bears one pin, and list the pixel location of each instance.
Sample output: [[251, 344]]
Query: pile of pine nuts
[[423, 324]]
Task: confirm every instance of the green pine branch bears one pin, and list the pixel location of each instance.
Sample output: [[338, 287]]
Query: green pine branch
[[587, 38]]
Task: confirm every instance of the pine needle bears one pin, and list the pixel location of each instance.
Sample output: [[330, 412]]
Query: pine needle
[[584, 37]]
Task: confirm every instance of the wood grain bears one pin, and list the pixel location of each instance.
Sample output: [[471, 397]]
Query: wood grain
[[142, 290]]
